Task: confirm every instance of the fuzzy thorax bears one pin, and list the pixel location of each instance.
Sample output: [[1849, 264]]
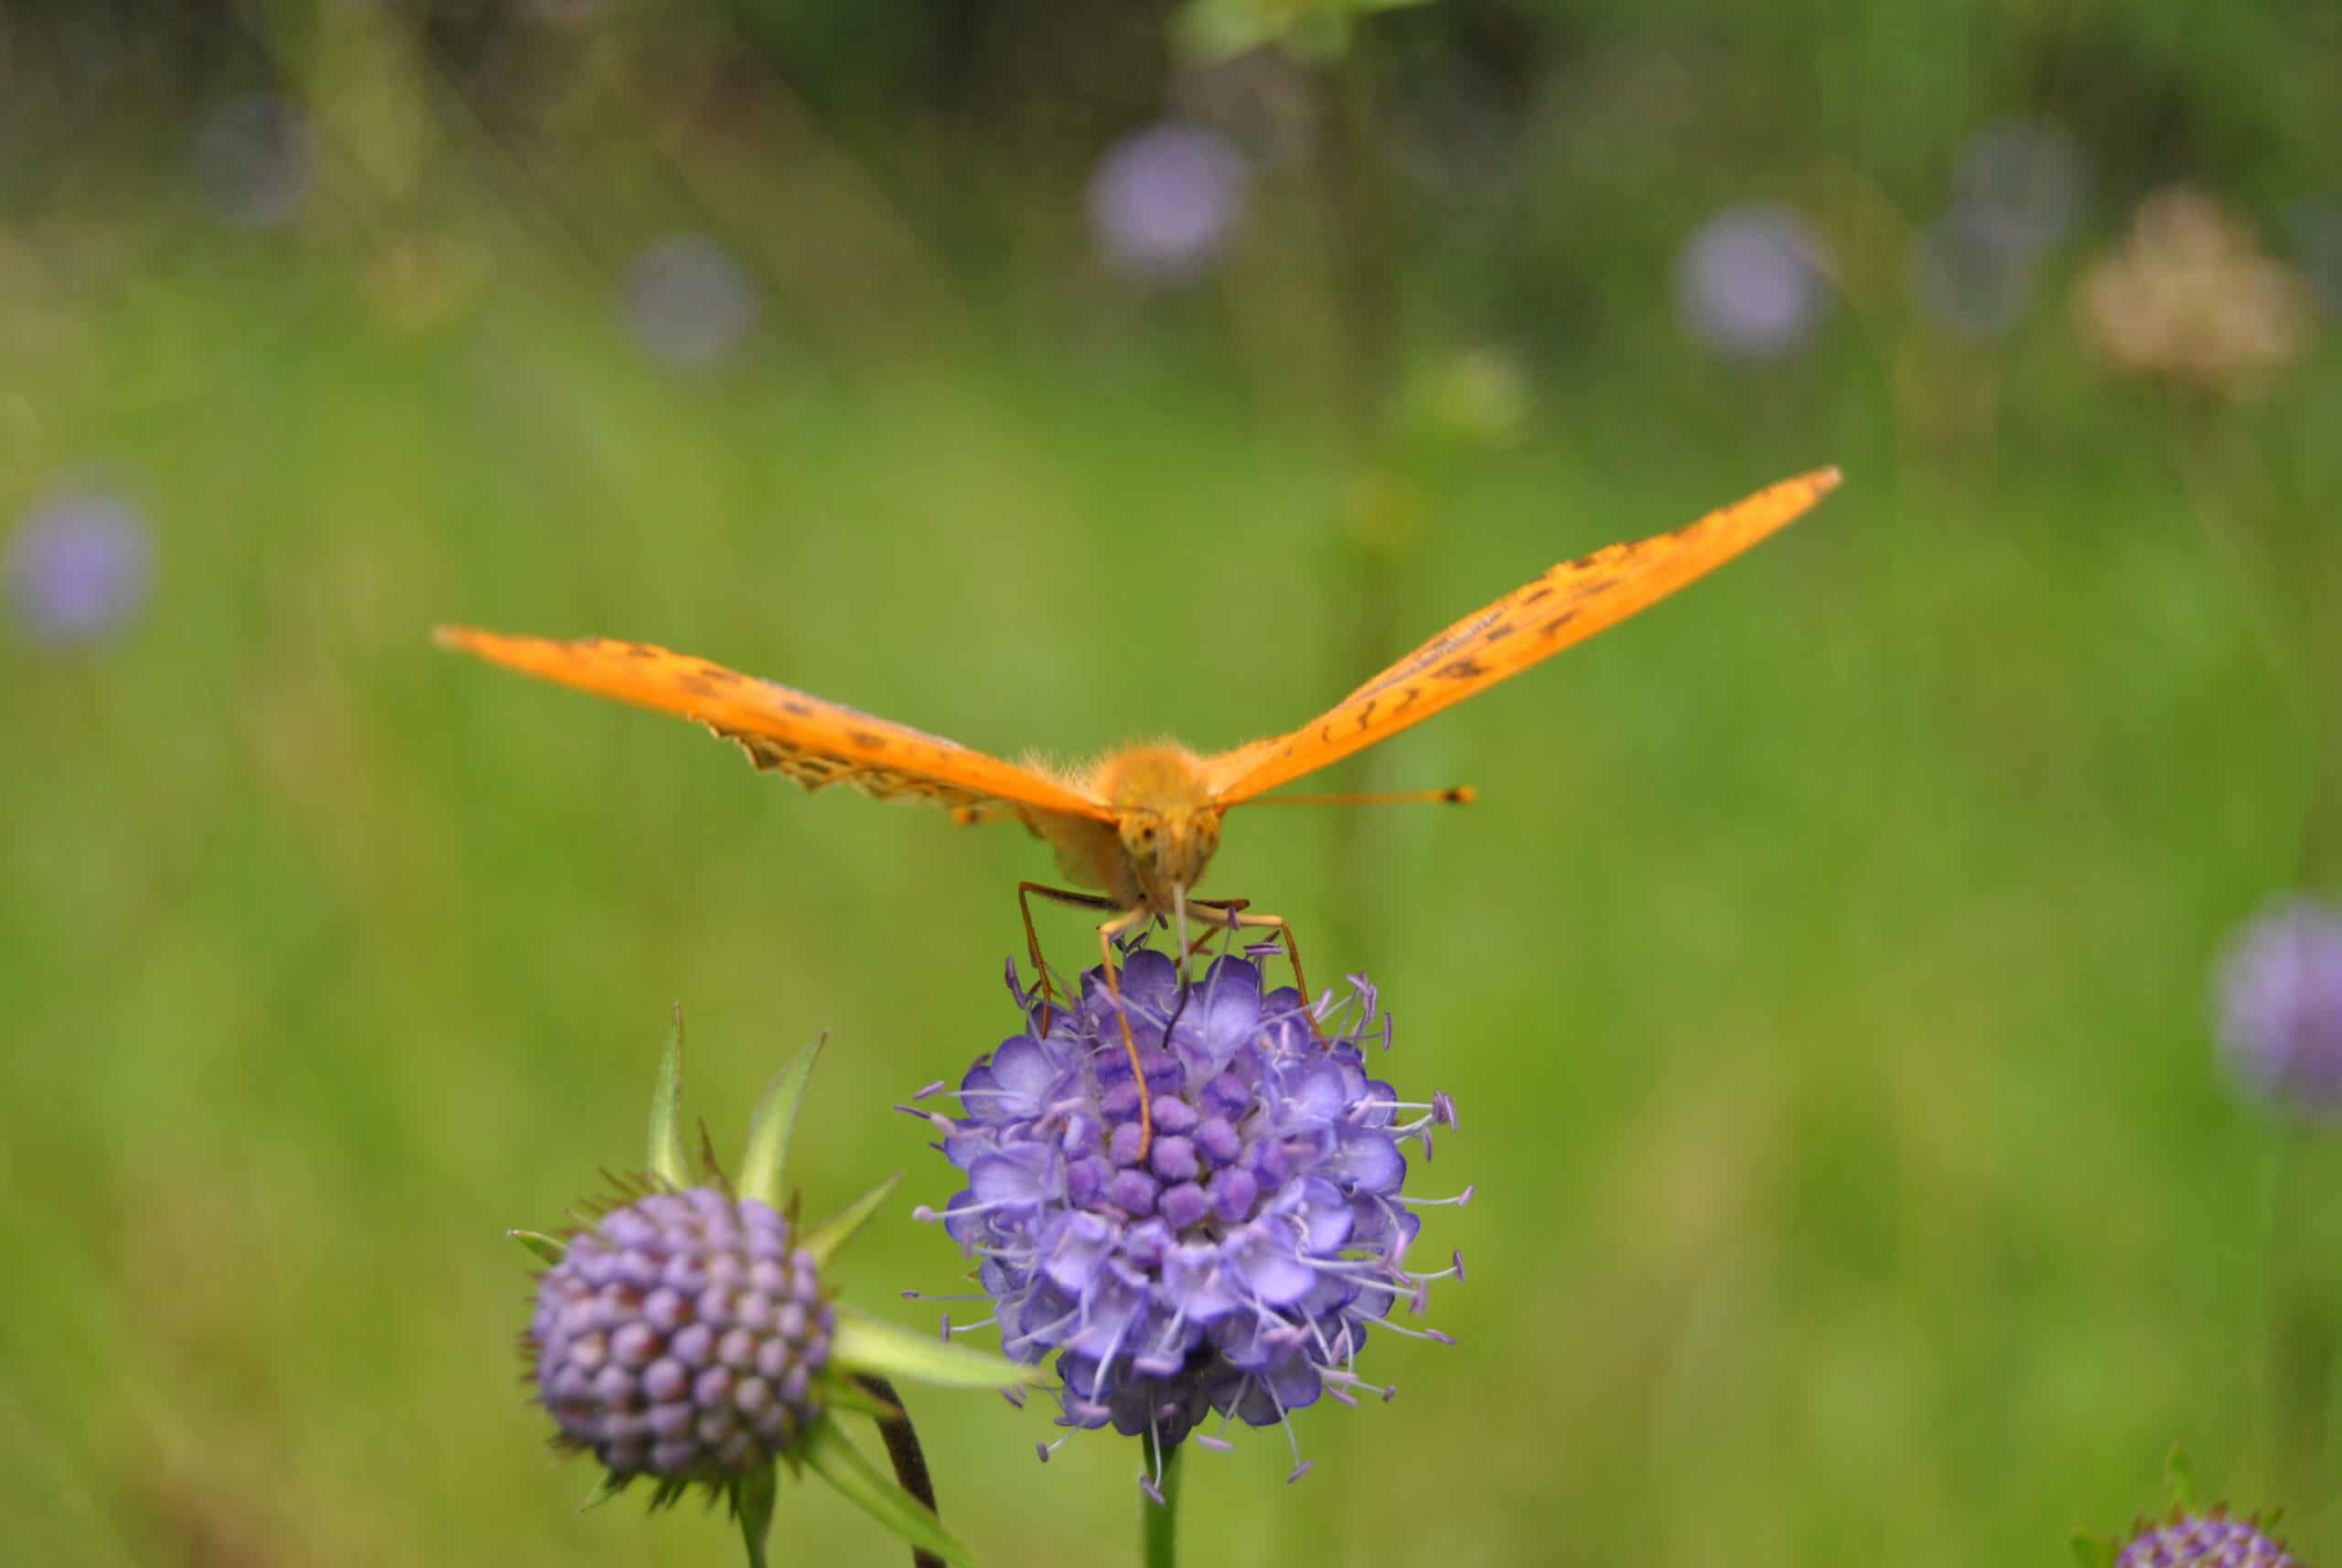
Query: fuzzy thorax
[[1165, 830]]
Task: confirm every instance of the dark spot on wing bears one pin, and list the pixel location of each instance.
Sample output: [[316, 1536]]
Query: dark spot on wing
[[795, 708], [1559, 621], [865, 740], [1464, 669], [1538, 594]]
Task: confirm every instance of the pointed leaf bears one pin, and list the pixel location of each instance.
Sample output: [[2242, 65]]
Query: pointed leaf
[[825, 1238], [868, 1345], [2179, 1480], [607, 1488], [752, 1501], [551, 1248], [770, 1128], [667, 1160], [831, 1454]]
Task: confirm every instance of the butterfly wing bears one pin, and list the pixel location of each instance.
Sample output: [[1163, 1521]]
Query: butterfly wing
[[815, 742], [1566, 605]]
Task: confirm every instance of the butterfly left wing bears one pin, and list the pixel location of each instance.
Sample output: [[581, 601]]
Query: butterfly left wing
[[1562, 608], [816, 743]]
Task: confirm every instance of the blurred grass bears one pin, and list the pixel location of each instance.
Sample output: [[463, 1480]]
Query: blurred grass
[[1822, 974]]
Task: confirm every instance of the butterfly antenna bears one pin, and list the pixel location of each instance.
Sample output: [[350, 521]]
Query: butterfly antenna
[[1454, 795]]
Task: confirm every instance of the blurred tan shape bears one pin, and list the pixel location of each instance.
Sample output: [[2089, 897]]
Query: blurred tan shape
[[2191, 296]]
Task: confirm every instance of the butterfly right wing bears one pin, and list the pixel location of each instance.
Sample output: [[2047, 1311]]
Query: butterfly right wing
[[1558, 610], [815, 742]]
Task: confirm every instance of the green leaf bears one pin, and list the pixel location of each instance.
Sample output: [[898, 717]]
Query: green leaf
[[831, 1454], [2179, 1480], [551, 1248], [825, 1238], [2090, 1551], [667, 1163], [868, 1345], [752, 1501], [770, 1128]]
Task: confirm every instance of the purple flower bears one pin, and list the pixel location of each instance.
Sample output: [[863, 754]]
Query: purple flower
[[1238, 1263], [2026, 180], [252, 158], [2280, 1006], [1749, 282], [78, 567], [2316, 230], [1971, 273], [681, 1337], [1165, 200], [2204, 1540], [689, 302]]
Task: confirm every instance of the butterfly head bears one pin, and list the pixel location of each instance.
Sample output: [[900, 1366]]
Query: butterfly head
[[1166, 824]]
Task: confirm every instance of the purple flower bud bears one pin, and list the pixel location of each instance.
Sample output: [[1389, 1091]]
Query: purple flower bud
[[1240, 1263], [2280, 1006], [695, 1386], [2204, 1540]]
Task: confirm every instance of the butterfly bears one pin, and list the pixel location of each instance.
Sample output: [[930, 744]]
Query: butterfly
[[1141, 824]]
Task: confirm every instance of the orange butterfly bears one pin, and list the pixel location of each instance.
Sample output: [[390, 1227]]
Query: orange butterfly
[[1139, 824]]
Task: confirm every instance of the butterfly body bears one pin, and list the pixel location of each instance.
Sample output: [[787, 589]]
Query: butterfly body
[[1142, 823]]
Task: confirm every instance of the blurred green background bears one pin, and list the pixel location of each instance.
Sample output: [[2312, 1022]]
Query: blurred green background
[[1823, 974]]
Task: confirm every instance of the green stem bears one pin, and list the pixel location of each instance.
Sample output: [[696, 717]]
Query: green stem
[[1158, 1523], [909, 1458], [2300, 1336]]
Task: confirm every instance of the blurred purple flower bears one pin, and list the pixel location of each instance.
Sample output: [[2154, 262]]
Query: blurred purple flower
[[1164, 202], [252, 158], [688, 301], [78, 567], [2281, 1006], [1237, 1265], [2316, 230], [1972, 274], [2022, 181], [1749, 281]]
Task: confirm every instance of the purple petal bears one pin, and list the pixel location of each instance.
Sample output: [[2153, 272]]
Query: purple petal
[[1267, 1265]]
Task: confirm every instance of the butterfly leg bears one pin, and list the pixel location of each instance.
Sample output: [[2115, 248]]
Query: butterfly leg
[[1126, 922], [1025, 891], [1237, 911]]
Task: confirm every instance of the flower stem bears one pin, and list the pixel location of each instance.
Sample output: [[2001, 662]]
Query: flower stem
[[1158, 1523], [909, 1459], [2301, 1340]]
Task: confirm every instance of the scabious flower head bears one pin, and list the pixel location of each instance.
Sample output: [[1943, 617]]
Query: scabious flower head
[[684, 1332], [2210, 1539], [2280, 1006], [681, 1336], [1236, 1264]]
